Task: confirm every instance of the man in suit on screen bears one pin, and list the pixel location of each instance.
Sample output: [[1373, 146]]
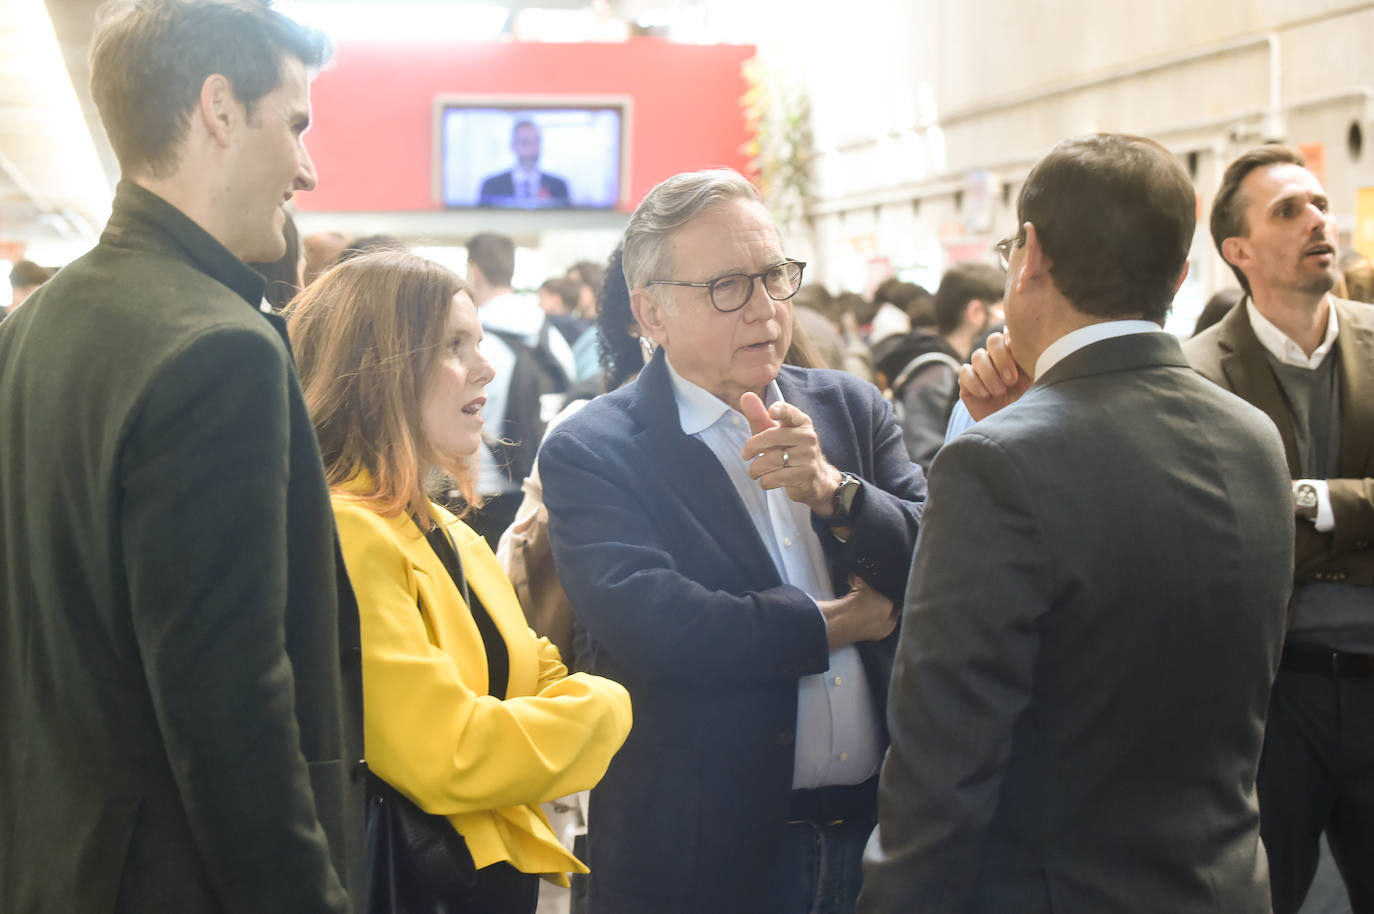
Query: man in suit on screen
[[524, 185]]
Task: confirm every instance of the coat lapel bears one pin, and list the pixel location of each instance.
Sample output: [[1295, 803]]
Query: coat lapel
[[1249, 376], [693, 473], [1355, 342]]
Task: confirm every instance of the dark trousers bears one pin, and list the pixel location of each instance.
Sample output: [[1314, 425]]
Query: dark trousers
[[819, 867], [1316, 774]]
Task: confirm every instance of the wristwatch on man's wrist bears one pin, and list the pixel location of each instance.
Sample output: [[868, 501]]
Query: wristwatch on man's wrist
[[1305, 501], [842, 503]]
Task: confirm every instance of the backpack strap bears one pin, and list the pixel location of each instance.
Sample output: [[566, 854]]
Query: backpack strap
[[921, 361]]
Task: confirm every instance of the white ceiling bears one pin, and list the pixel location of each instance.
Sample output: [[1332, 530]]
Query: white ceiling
[[56, 177]]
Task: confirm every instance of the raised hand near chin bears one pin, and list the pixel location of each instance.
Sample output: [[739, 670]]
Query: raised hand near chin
[[784, 453], [992, 379]]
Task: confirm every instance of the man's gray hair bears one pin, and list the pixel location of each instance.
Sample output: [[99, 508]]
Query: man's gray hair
[[667, 208]]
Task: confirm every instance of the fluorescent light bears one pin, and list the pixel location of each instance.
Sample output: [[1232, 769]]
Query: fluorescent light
[[52, 156]]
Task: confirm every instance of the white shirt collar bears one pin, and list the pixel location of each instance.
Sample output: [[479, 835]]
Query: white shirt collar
[[1075, 340], [698, 409], [1283, 348]]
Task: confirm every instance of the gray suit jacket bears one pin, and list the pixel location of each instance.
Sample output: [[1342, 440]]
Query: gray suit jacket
[[1092, 626]]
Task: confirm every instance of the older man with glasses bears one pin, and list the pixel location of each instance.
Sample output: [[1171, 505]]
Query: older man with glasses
[[734, 535]]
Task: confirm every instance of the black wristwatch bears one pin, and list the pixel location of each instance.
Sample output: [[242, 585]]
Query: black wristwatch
[[843, 502]]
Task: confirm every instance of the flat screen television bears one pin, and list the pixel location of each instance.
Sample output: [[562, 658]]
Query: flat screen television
[[530, 153]]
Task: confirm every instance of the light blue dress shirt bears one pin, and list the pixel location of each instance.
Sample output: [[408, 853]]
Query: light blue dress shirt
[[838, 731]]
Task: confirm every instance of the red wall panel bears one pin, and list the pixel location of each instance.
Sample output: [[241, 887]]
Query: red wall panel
[[374, 110]]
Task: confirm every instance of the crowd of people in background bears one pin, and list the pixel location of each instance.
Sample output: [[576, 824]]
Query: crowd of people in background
[[332, 580]]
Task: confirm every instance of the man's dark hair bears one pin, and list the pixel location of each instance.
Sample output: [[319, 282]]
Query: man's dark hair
[[1228, 209], [494, 255], [25, 274], [149, 59], [588, 274], [862, 308], [1115, 215], [566, 289], [961, 284], [896, 292]]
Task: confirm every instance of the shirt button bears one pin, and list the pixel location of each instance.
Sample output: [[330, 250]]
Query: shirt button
[[844, 756], [839, 680], [787, 541]]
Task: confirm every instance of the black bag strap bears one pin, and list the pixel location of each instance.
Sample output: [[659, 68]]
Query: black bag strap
[[498, 657]]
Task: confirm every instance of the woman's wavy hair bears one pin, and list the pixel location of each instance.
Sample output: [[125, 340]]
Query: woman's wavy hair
[[367, 336]]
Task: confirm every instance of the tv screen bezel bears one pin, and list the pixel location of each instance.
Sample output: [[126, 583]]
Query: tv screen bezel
[[516, 103]]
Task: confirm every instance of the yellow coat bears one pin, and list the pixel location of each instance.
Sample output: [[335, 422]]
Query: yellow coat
[[430, 726]]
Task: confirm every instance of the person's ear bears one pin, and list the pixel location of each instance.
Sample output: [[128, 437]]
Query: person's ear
[[649, 314], [218, 108], [1236, 251], [1036, 261], [975, 312]]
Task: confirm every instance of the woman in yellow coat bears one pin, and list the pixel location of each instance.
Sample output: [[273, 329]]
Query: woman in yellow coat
[[466, 712]]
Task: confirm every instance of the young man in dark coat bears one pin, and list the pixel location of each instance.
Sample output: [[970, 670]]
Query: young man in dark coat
[[180, 695]]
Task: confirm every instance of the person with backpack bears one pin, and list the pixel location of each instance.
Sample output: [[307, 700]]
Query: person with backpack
[[921, 369], [532, 365]]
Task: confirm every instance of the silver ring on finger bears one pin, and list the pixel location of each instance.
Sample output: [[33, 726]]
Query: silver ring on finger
[[784, 457]]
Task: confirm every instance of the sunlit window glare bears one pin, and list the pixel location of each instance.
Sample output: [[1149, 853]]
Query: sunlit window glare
[[347, 20]]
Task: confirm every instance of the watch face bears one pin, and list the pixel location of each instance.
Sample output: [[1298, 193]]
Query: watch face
[[848, 489], [1306, 496]]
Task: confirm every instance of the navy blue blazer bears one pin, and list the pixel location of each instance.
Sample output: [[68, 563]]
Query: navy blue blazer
[[499, 189], [678, 599]]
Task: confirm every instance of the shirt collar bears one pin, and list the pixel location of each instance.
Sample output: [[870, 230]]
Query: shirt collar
[[1281, 347], [141, 219], [698, 409], [1075, 340]]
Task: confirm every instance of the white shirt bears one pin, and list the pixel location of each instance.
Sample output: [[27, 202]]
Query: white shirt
[[1075, 340], [1287, 352], [838, 731], [526, 183], [521, 315], [1283, 348]]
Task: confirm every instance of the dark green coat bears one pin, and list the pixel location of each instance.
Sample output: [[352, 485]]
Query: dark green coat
[[180, 689]]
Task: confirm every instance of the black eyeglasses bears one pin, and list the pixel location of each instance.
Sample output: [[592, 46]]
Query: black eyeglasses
[[733, 290], [1003, 250]]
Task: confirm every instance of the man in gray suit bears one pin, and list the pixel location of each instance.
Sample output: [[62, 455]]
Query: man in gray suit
[[180, 680], [1096, 607]]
